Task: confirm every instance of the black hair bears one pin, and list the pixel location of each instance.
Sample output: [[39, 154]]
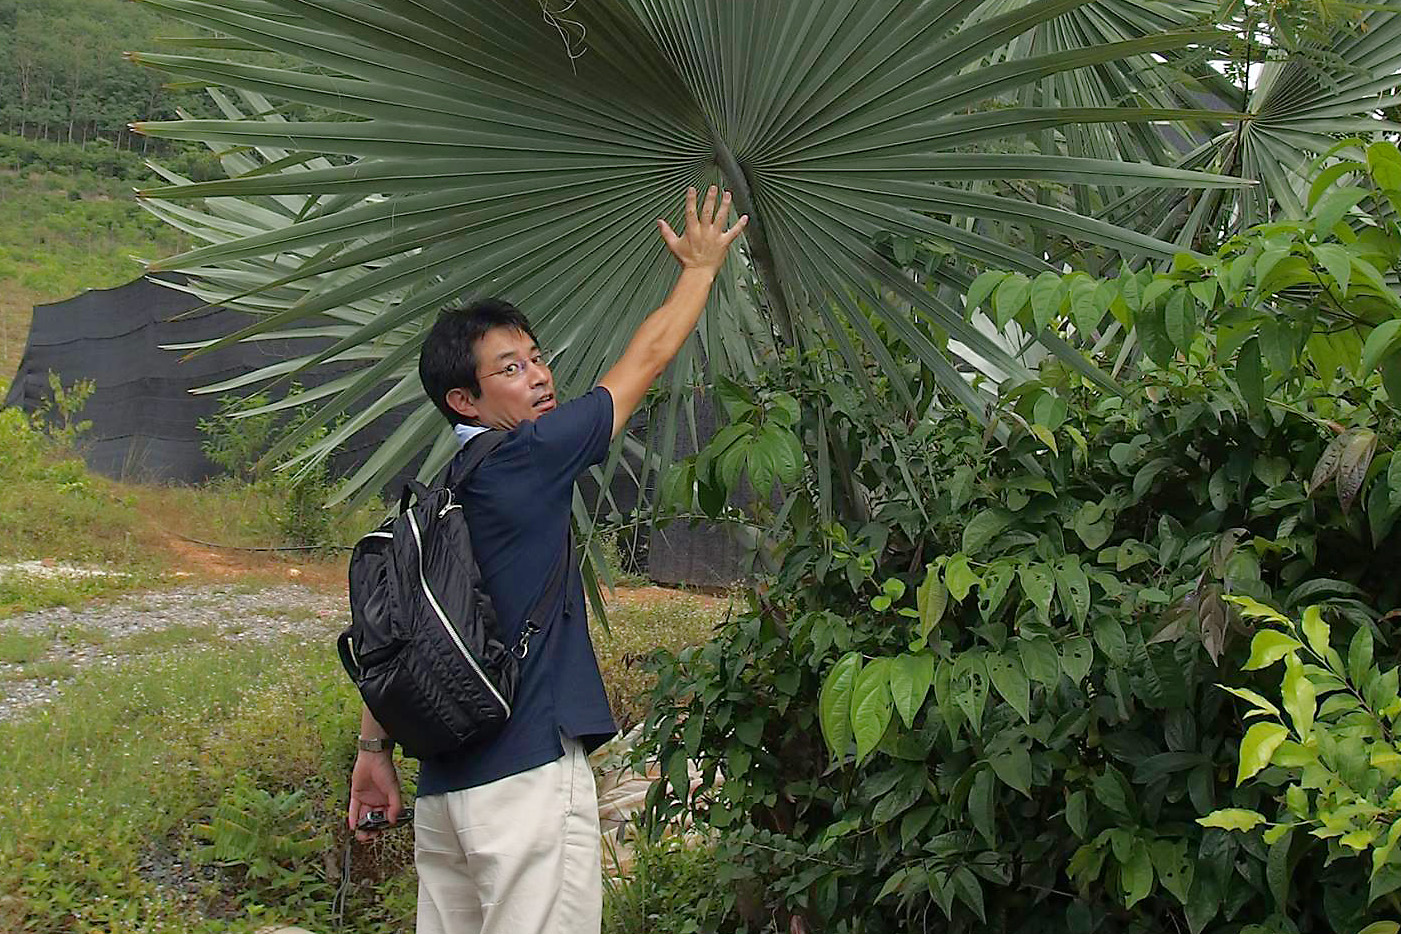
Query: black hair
[[448, 359]]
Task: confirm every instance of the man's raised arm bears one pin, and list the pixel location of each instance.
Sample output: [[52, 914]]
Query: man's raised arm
[[701, 252]]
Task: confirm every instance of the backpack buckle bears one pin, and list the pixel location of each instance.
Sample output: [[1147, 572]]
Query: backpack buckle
[[522, 648]]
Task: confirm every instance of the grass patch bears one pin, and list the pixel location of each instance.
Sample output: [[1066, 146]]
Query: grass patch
[[19, 647], [160, 640], [44, 671], [648, 620], [132, 762], [75, 636]]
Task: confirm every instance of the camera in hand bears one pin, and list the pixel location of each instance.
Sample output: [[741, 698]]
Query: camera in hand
[[379, 820]]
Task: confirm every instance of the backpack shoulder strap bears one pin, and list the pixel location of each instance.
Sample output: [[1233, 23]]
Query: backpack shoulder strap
[[558, 576], [473, 453]]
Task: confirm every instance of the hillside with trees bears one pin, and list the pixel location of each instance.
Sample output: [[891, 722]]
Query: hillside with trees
[[63, 77]]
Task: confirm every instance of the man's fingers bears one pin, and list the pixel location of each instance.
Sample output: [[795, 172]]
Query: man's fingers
[[729, 236], [691, 219], [708, 214], [668, 234]]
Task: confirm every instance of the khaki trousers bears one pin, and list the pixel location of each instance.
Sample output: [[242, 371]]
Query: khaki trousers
[[520, 855]]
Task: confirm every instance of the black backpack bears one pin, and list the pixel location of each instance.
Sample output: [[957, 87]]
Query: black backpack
[[423, 645]]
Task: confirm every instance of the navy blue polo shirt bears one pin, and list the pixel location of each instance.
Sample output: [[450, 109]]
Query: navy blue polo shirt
[[518, 505]]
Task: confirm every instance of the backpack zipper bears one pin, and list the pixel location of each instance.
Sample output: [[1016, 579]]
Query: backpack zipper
[[442, 617]]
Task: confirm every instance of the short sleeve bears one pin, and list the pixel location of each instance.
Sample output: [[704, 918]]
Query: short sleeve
[[572, 438]]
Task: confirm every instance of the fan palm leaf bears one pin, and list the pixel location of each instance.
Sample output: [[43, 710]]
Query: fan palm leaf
[[525, 149]]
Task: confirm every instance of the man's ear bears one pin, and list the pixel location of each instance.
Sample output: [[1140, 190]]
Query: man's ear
[[460, 401]]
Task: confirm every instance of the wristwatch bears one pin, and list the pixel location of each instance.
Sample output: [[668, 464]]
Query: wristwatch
[[376, 745]]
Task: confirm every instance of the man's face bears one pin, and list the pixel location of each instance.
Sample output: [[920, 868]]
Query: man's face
[[517, 385]]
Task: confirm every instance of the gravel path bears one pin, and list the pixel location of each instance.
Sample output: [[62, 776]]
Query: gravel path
[[113, 632]]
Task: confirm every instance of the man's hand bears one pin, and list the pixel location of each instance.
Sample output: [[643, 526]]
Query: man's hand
[[374, 786], [706, 241]]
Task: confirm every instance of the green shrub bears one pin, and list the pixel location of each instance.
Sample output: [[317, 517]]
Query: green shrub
[[293, 499], [670, 887], [1334, 766], [1015, 659]]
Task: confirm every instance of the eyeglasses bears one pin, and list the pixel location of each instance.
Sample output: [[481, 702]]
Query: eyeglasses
[[517, 368]]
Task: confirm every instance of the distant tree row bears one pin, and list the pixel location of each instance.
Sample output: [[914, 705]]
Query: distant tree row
[[63, 77]]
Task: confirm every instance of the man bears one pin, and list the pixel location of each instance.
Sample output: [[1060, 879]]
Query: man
[[506, 837]]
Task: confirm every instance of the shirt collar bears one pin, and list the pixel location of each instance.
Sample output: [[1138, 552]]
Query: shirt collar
[[466, 433]]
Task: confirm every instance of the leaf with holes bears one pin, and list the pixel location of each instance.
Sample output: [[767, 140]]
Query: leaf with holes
[[970, 688], [1076, 656], [1038, 588], [1008, 677]]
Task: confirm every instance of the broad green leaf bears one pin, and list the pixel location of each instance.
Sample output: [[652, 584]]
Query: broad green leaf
[[1268, 647], [1338, 263], [1150, 324], [1136, 874], [1300, 697], [1013, 767], [983, 528], [1077, 813], [871, 706], [1175, 869], [981, 805], [959, 577], [1109, 637], [1333, 205], [982, 287], [1073, 587], [1359, 655], [1075, 659], [1316, 631], [1045, 436], [1038, 587], [1259, 744], [834, 703], [1251, 608], [931, 599], [1046, 296], [1262, 704], [1381, 927], [1380, 343], [970, 688], [1050, 411], [1010, 680], [1039, 659], [1180, 319], [1010, 296], [1232, 819], [1250, 375], [910, 678]]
